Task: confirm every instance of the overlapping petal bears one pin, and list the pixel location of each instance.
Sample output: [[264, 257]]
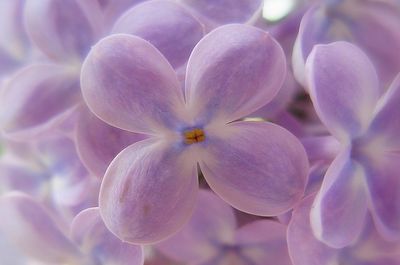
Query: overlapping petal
[[149, 191], [90, 233], [61, 29], [29, 225], [344, 88], [357, 22], [212, 223], [233, 71], [36, 99], [257, 167], [128, 83], [380, 17], [340, 207], [165, 24], [98, 143]]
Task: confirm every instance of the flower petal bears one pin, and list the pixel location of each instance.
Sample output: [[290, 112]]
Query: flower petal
[[264, 241], [174, 32], [233, 71], [257, 167], [36, 99], [384, 184], [28, 224], [340, 207], [220, 12], [89, 232], [128, 83], [59, 28], [386, 123], [304, 248], [212, 223], [98, 143], [383, 17], [149, 191], [343, 86]]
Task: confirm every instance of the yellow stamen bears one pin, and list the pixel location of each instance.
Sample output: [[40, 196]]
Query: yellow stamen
[[194, 136]]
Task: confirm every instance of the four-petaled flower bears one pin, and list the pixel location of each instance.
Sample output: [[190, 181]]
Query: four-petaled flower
[[149, 189]]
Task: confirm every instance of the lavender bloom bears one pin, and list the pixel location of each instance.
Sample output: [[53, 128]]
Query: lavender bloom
[[149, 189], [369, 249], [43, 236], [364, 175], [372, 25], [40, 97], [211, 237]]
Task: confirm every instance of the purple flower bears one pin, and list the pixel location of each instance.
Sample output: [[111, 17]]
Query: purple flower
[[41, 235], [371, 25], [40, 97], [364, 175], [304, 249], [212, 237], [149, 190]]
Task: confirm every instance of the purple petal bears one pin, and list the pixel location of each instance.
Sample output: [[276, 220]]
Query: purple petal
[[89, 231], [37, 99], [148, 191], [343, 86], [257, 167], [174, 33], [233, 71], [382, 17], [59, 28], [384, 185], [219, 12], [354, 21], [212, 223], [264, 241], [98, 143], [340, 207], [128, 83], [386, 123], [304, 248], [28, 224]]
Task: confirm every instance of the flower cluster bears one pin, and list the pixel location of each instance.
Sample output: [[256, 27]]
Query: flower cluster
[[199, 132]]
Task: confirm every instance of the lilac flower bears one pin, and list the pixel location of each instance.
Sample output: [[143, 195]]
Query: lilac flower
[[44, 237], [372, 25], [369, 249], [42, 96], [149, 189], [364, 175], [212, 237]]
